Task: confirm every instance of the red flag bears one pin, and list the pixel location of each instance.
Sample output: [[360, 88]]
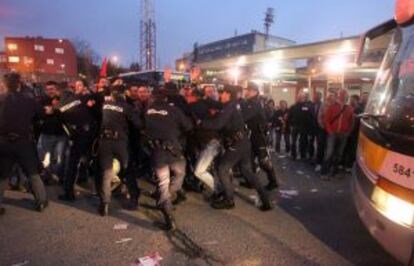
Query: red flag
[[167, 74], [104, 67]]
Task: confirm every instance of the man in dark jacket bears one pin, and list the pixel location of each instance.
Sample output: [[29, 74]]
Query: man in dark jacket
[[281, 126], [165, 125], [74, 110], [256, 120], [230, 124], [301, 121], [17, 113], [53, 139], [117, 114]]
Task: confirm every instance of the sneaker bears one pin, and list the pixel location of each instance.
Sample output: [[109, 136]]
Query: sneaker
[[318, 168]]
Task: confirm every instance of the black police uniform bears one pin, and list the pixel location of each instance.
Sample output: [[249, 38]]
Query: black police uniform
[[255, 118], [116, 116], [230, 124], [17, 113], [80, 124], [164, 126], [301, 121]]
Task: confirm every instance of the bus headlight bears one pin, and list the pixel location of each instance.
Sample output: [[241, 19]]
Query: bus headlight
[[394, 208]]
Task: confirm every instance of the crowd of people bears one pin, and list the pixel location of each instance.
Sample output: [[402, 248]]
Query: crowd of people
[[120, 133]]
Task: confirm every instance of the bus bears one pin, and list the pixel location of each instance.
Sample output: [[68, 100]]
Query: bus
[[383, 175], [155, 78]]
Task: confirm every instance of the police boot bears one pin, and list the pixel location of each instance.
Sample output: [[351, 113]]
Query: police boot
[[132, 204], [266, 203], [41, 206], [103, 209], [222, 204], [170, 224], [68, 196], [180, 197]]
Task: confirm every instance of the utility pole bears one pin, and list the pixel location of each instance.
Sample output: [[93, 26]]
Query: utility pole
[[269, 20], [148, 43]]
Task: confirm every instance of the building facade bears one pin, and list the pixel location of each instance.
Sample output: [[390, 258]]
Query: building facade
[[39, 59], [238, 45]]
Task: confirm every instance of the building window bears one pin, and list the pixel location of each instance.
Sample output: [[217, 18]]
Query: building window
[[12, 46], [50, 61], [27, 60], [3, 59], [14, 59], [39, 48], [59, 50]]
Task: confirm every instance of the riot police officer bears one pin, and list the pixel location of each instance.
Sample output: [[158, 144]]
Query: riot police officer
[[255, 118], [230, 124], [74, 110], [165, 125], [17, 113], [113, 144]]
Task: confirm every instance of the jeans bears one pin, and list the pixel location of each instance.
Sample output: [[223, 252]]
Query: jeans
[[23, 152], [204, 162], [335, 146], [286, 139], [51, 150], [303, 136], [166, 186]]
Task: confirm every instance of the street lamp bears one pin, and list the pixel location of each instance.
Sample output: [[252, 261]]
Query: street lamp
[[115, 59]]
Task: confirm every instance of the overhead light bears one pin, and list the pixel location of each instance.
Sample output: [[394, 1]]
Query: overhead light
[[306, 90], [241, 61], [336, 64], [285, 90], [365, 79], [270, 69]]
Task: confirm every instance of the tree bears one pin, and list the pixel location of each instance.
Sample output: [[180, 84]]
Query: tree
[[135, 67], [88, 59]]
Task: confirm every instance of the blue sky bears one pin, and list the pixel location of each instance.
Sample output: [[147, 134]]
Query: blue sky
[[112, 26]]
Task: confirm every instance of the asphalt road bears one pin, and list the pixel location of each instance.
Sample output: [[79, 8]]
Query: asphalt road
[[318, 226]]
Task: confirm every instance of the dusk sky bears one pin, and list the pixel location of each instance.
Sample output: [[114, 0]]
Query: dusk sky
[[112, 26]]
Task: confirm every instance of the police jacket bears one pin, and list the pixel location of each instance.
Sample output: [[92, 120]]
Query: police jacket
[[254, 115], [165, 123], [50, 124], [17, 113], [228, 122], [75, 115], [201, 111], [301, 116], [117, 115]]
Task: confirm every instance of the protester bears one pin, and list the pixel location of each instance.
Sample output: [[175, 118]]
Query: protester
[[338, 121], [301, 119], [281, 126]]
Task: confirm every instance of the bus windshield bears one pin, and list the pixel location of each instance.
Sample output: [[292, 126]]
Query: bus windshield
[[392, 98]]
